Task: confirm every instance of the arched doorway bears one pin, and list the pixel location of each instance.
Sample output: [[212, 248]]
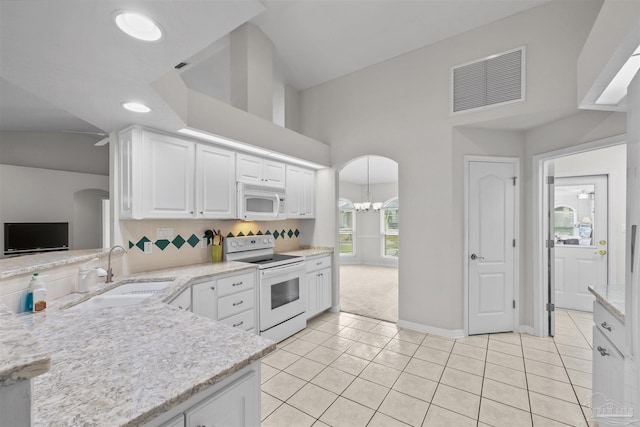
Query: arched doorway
[[368, 233]]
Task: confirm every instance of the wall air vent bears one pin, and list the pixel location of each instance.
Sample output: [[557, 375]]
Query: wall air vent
[[495, 80]]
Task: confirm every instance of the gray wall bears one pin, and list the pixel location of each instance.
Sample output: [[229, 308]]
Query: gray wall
[[54, 150], [400, 109]]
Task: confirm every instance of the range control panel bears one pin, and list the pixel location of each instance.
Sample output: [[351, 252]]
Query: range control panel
[[248, 243]]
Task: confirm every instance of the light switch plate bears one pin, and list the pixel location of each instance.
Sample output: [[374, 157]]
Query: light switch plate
[[148, 247]]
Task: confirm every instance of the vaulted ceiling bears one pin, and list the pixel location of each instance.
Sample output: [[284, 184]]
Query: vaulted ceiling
[[64, 65]]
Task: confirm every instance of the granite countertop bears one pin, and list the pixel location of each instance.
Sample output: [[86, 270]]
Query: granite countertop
[[25, 264], [21, 357], [612, 296], [128, 365], [311, 252]]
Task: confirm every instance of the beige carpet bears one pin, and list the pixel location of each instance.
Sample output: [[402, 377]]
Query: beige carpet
[[369, 291]]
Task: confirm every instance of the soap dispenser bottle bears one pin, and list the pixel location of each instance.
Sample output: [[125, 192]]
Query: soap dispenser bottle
[[38, 293]]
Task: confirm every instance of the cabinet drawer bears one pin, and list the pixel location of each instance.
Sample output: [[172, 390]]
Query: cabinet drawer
[[244, 321], [610, 326], [236, 303], [318, 263], [235, 284]]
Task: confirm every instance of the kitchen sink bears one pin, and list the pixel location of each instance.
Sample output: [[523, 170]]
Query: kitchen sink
[[139, 288], [123, 295]]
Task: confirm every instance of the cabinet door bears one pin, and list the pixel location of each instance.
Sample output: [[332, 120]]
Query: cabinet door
[[183, 301], [168, 176], [307, 193], [608, 371], [324, 287], [294, 186], [125, 155], [249, 169], [205, 300], [177, 421], [312, 294], [235, 405], [273, 174], [215, 182]]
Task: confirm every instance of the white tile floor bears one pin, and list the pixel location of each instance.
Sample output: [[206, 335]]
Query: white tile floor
[[349, 370]]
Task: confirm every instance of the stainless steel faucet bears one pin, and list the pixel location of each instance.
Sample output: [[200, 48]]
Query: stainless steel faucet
[[109, 270]]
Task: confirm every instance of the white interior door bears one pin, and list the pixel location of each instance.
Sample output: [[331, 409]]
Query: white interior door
[[491, 243], [580, 230]]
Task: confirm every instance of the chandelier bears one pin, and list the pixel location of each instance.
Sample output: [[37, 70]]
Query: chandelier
[[368, 203]]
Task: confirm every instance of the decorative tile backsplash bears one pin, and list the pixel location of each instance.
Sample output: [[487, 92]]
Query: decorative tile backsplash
[[193, 240]]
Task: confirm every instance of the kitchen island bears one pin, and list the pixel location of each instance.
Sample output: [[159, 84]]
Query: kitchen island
[[139, 364]]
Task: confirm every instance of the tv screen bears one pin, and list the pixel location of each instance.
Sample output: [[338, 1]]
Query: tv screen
[[32, 237]]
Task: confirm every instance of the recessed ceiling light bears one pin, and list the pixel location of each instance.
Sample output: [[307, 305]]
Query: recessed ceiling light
[[137, 25], [136, 107]]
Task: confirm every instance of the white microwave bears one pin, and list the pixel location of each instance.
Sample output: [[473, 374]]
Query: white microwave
[[258, 203]]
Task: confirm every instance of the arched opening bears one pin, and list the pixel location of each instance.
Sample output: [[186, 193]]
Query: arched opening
[[368, 236]]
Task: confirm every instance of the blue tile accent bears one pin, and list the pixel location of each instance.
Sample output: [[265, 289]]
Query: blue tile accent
[[276, 235], [230, 235], [259, 233], [141, 243], [297, 233], [193, 240], [178, 241], [250, 233], [131, 244], [162, 244], [282, 234], [290, 233], [268, 233], [240, 234]]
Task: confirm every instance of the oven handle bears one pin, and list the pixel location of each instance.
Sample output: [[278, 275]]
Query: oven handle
[[277, 204], [283, 269]]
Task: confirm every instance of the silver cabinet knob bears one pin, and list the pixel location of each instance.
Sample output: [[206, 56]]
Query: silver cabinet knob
[[606, 326], [603, 351]]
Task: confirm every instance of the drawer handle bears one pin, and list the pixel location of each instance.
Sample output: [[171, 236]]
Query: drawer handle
[[213, 288], [319, 263], [235, 325], [603, 351], [238, 303], [237, 284], [606, 326]]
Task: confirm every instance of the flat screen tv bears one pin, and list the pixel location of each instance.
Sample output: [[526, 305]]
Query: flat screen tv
[[34, 237]]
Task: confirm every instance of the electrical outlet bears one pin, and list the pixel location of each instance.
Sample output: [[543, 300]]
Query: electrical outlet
[[203, 242], [148, 247]]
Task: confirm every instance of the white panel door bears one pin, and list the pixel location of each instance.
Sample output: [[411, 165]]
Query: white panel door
[[491, 233], [580, 222]]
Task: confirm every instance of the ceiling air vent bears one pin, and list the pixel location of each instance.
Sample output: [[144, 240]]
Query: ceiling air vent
[[495, 80]]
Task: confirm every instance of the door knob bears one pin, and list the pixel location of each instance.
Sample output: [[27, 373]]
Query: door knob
[[601, 252], [475, 257], [603, 242]]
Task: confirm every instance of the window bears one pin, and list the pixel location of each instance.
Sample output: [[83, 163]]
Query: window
[[389, 228], [347, 227]]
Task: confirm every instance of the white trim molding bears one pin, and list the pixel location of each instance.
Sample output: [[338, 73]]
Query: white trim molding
[[448, 333]]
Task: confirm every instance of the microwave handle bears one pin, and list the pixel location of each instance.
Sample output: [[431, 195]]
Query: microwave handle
[[277, 204]]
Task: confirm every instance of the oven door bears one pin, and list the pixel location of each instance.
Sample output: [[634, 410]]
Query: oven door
[[282, 294]]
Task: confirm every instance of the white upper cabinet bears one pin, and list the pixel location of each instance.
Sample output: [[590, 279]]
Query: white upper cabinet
[[215, 182], [300, 192], [257, 171], [163, 176]]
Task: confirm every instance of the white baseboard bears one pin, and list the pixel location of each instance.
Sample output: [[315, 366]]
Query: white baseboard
[[449, 333], [335, 308], [526, 329]]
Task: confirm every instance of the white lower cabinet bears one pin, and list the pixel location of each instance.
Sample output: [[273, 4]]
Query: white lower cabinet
[[183, 301], [233, 402], [318, 282], [205, 299], [230, 300], [608, 365], [234, 405]]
